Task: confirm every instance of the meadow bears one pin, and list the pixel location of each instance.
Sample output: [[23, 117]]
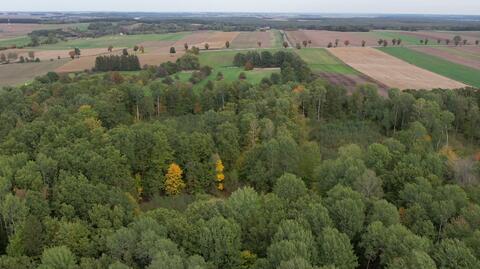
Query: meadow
[[320, 60], [437, 65]]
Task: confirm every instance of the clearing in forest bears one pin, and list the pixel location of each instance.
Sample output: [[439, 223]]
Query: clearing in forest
[[458, 72], [392, 71]]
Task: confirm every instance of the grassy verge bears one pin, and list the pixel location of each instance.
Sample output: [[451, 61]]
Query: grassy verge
[[18, 41], [437, 65]]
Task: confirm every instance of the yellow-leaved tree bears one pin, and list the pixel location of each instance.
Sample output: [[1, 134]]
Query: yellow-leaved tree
[[220, 176], [173, 180]]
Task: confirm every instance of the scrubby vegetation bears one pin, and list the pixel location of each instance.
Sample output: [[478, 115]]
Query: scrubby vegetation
[[121, 170]]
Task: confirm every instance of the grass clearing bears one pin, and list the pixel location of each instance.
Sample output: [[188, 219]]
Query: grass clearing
[[437, 65], [116, 41], [320, 60], [277, 39]]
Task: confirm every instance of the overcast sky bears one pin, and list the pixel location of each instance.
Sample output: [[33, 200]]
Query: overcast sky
[[471, 7]]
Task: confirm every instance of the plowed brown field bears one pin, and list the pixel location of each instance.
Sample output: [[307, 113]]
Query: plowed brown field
[[322, 38], [391, 71]]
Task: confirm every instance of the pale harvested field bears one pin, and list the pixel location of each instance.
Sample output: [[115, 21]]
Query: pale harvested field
[[20, 29], [159, 46], [391, 71], [469, 56], [322, 38], [216, 40], [14, 74], [251, 39]]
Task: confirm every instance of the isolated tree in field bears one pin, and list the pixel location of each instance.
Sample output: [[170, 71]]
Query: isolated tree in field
[[426, 41], [465, 42], [135, 48], [298, 46], [173, 51], [185, 46], [364, 43], [394, 42], [125, 52], [330, 44], [173, 180], [305, 43], [242, 76], [72, 54], [285, 44], [346, 43], [12, 56], [249, 66], [259, 43], [309, 42], [399, 41], [439, 41], [477, 42], [380, 42], [227, 44], [421, 41], [207, 46], [457, 39], [447, 41], [77, 52], [385, 43], [110, 48], [142, 49], [31, 54], [336, 42]]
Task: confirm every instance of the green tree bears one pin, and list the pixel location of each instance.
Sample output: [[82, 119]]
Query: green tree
[[58, 258]]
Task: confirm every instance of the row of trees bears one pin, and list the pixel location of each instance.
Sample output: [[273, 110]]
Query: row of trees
[[117, 63]]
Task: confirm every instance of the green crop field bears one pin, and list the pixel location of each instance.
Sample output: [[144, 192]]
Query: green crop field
[[18, 41], [320, 60], [278, 39], [437, 65], [223, 58], [116, 41], [406, 39]]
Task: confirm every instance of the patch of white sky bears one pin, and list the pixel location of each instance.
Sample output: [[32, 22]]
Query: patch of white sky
[[467, 7]]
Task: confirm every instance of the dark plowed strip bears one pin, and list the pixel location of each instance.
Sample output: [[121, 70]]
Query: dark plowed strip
[[351, 82]]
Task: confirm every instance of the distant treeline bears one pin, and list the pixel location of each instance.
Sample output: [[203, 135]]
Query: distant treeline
[[117, 63]]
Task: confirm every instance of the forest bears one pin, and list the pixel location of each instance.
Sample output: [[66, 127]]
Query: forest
[[122, 170]]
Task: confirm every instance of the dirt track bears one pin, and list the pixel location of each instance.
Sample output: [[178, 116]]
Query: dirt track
[[391, 71]]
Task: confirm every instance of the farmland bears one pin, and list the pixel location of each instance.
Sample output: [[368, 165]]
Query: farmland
[[462, 73], [469, 56], [391, 71], [251, 39], [115, 41], [13, 74], [320, 60], [322, 38], [15, 41]]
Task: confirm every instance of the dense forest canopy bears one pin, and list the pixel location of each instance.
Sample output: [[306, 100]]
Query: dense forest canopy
[[120, 170]]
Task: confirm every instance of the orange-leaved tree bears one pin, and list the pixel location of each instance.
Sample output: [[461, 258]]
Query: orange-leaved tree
[[173, 180], [220, 177]]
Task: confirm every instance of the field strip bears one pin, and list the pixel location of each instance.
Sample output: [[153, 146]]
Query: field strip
[[458, 72], [392, 71]]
